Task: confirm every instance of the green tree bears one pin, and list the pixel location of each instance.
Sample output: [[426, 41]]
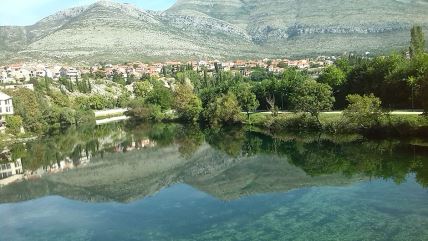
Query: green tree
[[363, 111], [67, 117], [187, 104], [84, 117], [142, 89], [28, 105], [123, 100], [224, 110], [160, 96], [417, 41], [246, 98], [332, 76], [312, 97], [14, 124]]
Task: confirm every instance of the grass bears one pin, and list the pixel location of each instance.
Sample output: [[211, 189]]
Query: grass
[[388, 126]]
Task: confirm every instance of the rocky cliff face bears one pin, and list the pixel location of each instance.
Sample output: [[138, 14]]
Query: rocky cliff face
[[108, 31]]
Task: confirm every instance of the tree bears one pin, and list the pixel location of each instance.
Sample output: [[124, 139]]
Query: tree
[[312, 97], [160, 96], [14, 124], [187, 104], [28, 105], [123, 100], [84, 117], [246, 98], [142, 89], [272, 107], [66, 117], [223, 110], [363, 111], [332, 76], [417, 41]]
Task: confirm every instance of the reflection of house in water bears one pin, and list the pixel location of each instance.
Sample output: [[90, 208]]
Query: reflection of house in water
[[61, 166], [10, 171], [135, 145]]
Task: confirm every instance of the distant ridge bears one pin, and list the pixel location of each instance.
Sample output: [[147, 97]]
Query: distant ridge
[[115, 32]]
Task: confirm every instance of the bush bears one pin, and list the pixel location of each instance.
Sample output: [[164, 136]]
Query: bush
[[293, 122], [363, 111], [147, 112]]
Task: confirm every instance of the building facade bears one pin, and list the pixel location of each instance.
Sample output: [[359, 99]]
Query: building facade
[[6, 106]]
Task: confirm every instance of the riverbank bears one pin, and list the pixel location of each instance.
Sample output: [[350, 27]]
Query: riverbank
[[396, 124]]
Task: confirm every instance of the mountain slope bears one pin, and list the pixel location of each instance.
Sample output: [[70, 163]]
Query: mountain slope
[[108, 31]]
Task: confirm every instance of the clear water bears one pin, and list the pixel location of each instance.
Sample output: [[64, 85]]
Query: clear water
[[169, 182]]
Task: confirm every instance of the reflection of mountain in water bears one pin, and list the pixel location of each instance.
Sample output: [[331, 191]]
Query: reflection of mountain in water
[[128, 176], [131, 162]]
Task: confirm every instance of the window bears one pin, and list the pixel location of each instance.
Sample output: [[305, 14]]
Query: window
[[1, 110], [7, 109]]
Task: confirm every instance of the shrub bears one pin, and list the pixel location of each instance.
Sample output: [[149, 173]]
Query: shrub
[[147, 112], [293, 122], [363, 111]]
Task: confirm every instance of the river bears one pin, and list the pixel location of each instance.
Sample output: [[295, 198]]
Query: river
[[124, 181]]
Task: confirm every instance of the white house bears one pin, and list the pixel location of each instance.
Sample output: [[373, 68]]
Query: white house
[[3, 76], [71, 73], [11, 170], [6, 106]]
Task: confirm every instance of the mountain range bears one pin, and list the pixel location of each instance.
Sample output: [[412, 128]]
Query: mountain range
[[191, 29]]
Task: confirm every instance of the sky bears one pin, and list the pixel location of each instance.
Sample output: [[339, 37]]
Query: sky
[[28, 12]]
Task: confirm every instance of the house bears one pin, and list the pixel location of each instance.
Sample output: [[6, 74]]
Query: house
[[11, 171], [3, 77], [71, 73], [6, 106]]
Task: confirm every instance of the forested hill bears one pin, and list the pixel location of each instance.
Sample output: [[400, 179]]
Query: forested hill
[[109, 31]]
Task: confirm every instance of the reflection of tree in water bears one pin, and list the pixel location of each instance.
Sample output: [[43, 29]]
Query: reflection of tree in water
[[189, 139], [321, 155], [377, 159], [73, 143], [229, 140], [315, 154]]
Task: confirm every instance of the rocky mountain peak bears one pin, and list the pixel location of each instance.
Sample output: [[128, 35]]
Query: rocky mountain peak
[[111, 31]]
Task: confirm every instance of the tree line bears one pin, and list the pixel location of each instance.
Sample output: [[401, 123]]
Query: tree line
[[395, 81]]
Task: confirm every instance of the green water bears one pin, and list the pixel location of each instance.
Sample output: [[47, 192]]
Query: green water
[[172, 182]]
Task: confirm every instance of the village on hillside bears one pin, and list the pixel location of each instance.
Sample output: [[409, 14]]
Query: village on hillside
[[11, 75]]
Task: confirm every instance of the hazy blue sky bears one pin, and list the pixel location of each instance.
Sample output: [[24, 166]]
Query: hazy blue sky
[[27, 12]]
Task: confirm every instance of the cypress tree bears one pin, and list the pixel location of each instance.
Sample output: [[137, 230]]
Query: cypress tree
[[417, 42]]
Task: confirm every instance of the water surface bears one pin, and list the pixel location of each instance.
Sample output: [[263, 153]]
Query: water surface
[[170, 182]]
